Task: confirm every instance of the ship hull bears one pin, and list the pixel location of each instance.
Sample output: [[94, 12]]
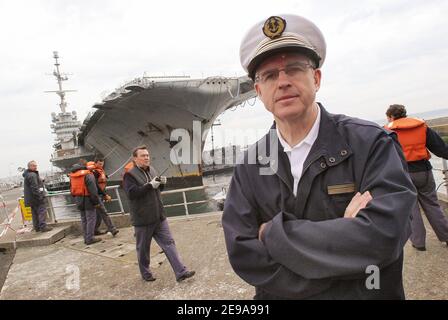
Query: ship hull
[[147, 112]]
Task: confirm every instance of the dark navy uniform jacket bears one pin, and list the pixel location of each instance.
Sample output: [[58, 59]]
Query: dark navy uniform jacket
[[309, 250]]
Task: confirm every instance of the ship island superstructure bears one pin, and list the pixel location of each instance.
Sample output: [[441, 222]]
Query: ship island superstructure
[[66, 127]]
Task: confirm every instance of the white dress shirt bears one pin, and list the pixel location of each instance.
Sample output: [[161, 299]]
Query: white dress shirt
[[298, 153]]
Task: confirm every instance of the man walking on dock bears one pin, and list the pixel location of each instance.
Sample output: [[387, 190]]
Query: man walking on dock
[[142, 186], [97, 168]]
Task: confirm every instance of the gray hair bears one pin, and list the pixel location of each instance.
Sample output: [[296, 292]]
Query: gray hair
[[30, 163]]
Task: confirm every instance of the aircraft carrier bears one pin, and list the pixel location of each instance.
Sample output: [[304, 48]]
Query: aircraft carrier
[[145, 110]]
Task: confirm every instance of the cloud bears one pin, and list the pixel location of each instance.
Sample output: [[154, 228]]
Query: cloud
[[379, 52]]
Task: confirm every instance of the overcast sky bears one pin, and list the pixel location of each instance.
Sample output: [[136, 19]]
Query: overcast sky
[[378, 52]]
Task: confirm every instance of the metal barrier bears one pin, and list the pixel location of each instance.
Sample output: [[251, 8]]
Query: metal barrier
[[444, 172], [51, 207], [185, 203], [7, 220], [3, 210]]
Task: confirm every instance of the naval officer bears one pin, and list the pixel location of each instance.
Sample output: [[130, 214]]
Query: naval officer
[[326, 216]]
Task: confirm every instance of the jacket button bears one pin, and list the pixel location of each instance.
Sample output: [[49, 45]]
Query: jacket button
[[323, 165], [344, 153], [332, 160]]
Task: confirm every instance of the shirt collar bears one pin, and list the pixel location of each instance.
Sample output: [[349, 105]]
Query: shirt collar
[[309, 139]]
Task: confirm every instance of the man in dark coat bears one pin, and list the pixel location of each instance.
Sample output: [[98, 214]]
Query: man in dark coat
[[88, 201], [33, 189], [320, 207], [141, 184]]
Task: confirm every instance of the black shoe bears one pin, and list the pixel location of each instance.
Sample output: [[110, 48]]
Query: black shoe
[[94, 240], [186, 275], [99, 233], [149, 279], [420, 248], [45, 229], [114, 232]]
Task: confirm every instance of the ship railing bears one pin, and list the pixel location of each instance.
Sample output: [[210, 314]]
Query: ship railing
[[51, 208], [184, 191]]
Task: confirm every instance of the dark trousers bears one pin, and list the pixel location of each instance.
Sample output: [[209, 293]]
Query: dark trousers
[[162, 234], [101, 215], [88, 219], [39, 214], [427, 197]]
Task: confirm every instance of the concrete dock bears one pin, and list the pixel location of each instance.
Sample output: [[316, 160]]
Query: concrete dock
[[68, 269], [108, 270]]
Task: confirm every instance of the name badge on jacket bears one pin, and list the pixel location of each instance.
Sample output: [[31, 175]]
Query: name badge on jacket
[[341, 188]]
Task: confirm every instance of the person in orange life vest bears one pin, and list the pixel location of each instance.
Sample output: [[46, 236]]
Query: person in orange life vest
[[97, 168], [84, 189], [416, 138]]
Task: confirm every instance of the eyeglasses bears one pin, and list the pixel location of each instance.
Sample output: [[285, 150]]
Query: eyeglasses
[[293, 70]]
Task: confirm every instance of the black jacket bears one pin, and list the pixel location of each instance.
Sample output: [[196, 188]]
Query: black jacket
[[309, 250], [33, 188], [146, 206]]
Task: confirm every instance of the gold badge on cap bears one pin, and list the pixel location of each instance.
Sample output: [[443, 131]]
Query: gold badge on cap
[[274, 27]]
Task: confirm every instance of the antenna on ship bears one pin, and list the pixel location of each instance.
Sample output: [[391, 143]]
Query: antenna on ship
[[60, 77]]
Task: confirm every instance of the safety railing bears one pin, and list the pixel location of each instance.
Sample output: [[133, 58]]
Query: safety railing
[[3, 210], [51, 207], [184, 203], [5, 218], [184, 191], [441, 176]]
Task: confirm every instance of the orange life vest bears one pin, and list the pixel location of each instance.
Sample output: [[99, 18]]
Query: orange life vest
[[90, 165], [77, 183], [412, 137], [102, 179], [129, 166]]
